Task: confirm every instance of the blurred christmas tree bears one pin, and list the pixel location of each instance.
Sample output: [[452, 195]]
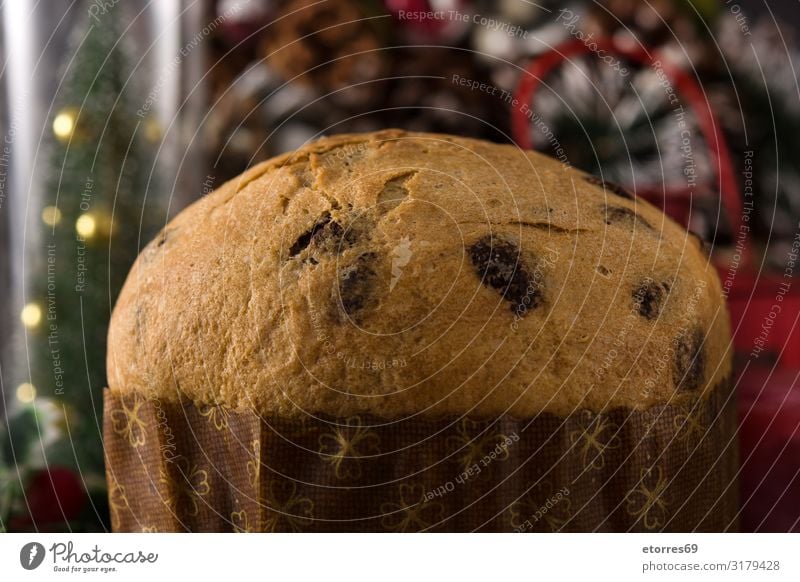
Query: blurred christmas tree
[[91, 223]]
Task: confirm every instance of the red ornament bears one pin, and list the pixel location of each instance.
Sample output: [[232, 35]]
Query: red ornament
[[679, 203], [769, 438], [55, 495]]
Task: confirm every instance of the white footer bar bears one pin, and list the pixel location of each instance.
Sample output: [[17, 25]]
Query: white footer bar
[[421, 557]]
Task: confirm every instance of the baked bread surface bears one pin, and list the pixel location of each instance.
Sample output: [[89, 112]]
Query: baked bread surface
[[398, 273]]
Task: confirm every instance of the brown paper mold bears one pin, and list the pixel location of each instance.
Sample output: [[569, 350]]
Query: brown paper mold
[[180, 467]]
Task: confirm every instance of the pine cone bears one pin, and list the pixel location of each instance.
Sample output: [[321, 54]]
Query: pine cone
[[427, 96], [332, 46]]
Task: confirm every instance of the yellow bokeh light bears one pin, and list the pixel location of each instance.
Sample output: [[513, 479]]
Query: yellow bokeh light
[[31, 315], [152, 130], [86, 225], [26, 392], [64, 124], [51, 215]]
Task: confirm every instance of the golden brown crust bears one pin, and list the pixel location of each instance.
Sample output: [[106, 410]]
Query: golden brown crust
[[398, 273]]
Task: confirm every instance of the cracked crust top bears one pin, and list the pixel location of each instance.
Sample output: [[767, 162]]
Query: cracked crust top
[[397, 273]]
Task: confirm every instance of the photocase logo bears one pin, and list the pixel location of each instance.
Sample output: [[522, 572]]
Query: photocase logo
[[31, 555]]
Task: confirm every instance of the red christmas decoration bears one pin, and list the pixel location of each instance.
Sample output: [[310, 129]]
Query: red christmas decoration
[[769, 411], [55, 495]]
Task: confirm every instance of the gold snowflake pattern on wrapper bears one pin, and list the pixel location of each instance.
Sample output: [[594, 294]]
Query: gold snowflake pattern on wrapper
[[217, 416], [117, 501], [127, 423], [689, 425], [240, 521], [345, 445], [473, 440], [254, 464], [186, 485], [646, 501], [533, 508], [596, 435], [410, 512], [288, 508]]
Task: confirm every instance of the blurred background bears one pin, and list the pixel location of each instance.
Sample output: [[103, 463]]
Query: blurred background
[[116, 115]]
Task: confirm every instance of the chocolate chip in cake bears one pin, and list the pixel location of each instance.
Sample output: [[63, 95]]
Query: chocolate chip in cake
[[304, 239], [603, 271], [333, 238], [610, 186], [326, 235], [649, 298], [356, 288], [622, 215], [689, 361], [499, 265]]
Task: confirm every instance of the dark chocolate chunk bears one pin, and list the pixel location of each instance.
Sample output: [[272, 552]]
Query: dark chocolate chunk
[[622, 215], [356, 288], [611, 187], [689, 361], [326, 235], [304, 239], [649, 298], [499, 265], [332, 237]]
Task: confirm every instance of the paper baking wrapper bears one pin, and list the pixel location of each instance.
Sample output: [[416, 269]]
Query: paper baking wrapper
[[181, 467]]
